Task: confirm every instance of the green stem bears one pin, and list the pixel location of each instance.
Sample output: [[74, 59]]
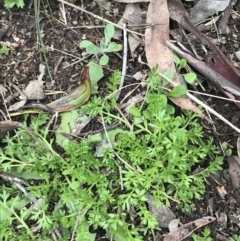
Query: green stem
[[20, 220]]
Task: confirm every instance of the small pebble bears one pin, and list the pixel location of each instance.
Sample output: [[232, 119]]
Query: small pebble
[[75, 22]]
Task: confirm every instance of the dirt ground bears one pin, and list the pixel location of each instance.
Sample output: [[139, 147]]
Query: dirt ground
[[22, 66]]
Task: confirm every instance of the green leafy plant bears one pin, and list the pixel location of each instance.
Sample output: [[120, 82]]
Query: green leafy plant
[[4, 50], [181, 64], [70, 194], [227, 151], [101, 52], [235, 238], [205, 235], [11, 3], [94, 106]]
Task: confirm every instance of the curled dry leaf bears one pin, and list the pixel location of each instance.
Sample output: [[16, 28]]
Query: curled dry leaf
[[187, 229], [6, 126], [17, 105], [221, 191]]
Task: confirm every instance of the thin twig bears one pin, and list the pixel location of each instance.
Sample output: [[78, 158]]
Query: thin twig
[[4, 103], [129, 93], [62, 9], [124, 64], [123, 116], [79, 60], [60, 51], [107, 136], [103, 26], [57, 65], [214, 96], [19, 91], [75, 226], [192, 97], [98, 17], [190, 43]]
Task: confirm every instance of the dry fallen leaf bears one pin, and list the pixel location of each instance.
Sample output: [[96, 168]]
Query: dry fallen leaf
[[6, 126], [234, 170], [157, 52], [221, 191], [163, 214], [228, 76], [173, 225], [187, 229], [133, 14], [205, 8], [17, 105]]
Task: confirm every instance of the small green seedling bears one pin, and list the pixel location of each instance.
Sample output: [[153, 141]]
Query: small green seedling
[[4, 50], [11, 3], [205, 235], [101, 51], [191, 77], [226, 150], [106, 46]]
